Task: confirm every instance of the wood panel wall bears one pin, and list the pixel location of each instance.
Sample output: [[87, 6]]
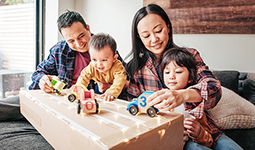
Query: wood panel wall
[[209, 17]]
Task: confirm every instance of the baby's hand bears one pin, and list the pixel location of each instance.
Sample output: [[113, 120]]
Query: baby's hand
[[107, 97]]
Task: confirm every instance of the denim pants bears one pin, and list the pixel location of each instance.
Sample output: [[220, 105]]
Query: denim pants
[[223, 143]]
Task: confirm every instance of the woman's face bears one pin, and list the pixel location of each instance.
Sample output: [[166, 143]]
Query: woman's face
[[153, 32]]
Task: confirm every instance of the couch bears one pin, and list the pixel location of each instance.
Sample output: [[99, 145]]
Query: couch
[[235, 113]]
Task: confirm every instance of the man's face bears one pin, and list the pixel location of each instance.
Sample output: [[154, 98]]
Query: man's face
[[77, 36]]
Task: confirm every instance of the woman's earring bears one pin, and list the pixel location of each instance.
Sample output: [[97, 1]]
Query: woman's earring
[[141, 54]]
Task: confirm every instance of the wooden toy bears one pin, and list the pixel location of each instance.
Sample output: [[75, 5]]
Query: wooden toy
[[87, 102], [58, 85], [141, 105], [74, 92]]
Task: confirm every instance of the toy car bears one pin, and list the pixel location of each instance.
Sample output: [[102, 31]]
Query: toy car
[[87, 102], [58, 85], [141, 105], [75, 91]]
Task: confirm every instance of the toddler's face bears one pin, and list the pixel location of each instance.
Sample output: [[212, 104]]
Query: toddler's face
[[102, 59], [176, 77]]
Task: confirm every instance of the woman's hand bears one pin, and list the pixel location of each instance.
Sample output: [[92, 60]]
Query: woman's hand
[[165, 99]]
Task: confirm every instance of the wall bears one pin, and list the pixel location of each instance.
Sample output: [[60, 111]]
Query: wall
[[111, 16], [52, 11], [222, 51], [219, 51]]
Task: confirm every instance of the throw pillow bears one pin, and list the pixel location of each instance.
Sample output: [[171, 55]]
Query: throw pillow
[[249, 90], [233, 111]]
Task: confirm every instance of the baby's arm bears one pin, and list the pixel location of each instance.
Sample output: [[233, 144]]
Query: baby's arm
[[119, 79], [85, 76]]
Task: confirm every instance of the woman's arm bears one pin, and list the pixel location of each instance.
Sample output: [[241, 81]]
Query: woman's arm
[[204, 95], [208, 86]]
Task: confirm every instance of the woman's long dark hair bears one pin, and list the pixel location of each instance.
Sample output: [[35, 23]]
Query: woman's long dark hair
[[138, 61]]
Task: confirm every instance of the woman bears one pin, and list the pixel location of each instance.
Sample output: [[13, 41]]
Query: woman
[[151, 36]]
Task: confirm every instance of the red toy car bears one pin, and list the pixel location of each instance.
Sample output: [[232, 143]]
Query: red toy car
[[87, 102]]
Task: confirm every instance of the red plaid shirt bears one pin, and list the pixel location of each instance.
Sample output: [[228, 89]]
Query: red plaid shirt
[[208, 86]]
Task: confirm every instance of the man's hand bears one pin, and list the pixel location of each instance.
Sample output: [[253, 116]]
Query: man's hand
[[45, 83]]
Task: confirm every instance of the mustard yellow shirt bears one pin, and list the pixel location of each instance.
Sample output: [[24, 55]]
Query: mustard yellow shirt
[[116, 76]]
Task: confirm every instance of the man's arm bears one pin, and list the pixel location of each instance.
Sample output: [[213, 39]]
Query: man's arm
[[47, 67]]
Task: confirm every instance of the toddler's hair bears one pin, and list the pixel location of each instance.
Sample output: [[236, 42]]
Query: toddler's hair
[[182, 58]]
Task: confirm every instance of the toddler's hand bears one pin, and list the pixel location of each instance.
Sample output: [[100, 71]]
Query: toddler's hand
[[192, 126], [185, 135]]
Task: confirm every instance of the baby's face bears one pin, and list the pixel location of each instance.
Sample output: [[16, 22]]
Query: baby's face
[[176, 77], [102, 59]]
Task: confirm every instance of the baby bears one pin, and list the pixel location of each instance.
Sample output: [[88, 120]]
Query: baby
[[104, 66]]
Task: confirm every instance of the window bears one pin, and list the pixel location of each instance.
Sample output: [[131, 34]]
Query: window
[[17, 44]]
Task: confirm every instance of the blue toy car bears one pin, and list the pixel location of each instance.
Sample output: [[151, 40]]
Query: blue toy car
[[141, 105]]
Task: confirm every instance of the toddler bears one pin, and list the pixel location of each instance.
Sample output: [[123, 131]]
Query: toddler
[[178, 68]]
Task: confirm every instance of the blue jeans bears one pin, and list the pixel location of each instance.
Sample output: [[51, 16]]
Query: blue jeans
[[223, 143]]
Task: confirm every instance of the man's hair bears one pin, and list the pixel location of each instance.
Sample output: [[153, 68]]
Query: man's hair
[[98, 41], [68, 18]]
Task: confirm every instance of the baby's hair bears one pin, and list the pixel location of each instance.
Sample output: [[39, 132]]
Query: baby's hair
[[182, 58], [99, 41]]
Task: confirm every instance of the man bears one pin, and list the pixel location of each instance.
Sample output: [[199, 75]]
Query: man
[[68, 57]]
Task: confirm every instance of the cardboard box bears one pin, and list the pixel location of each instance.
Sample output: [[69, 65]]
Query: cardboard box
[[112, 128]]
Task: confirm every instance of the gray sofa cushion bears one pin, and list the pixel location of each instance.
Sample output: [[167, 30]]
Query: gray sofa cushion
[[228, 79]]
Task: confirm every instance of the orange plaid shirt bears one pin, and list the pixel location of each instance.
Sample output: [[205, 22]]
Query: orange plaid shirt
[[208, 86]]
